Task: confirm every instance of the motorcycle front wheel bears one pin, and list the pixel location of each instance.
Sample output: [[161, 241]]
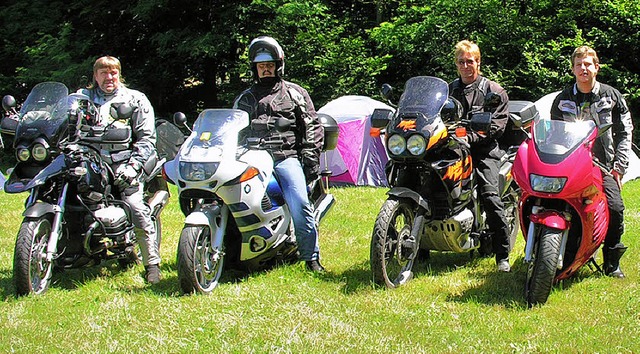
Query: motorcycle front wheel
[[543, 267], [394, 244], [31, 269], [199, 263]]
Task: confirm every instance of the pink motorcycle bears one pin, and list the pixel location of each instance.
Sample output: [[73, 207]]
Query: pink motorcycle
[[563, 208]]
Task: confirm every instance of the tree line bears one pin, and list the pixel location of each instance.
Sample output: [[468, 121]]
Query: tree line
[[189, 55]]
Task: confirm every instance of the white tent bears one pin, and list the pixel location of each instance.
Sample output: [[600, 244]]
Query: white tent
[[358, 159]]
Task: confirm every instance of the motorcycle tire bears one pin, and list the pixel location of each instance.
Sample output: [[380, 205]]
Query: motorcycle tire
[[542, 269], [394, 246], [31, 270], [199, 265]]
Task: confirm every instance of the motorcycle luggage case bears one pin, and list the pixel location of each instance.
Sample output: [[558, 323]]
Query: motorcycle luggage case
[[525, 112], [330, 131]]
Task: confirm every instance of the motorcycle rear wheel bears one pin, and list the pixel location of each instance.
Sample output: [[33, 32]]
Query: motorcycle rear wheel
[[542, 269], [199, 264], [393, 244], [31, 270]]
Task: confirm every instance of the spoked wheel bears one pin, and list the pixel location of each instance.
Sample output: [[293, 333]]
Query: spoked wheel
[[31, 270], [395, 243], [543, 267], [199, 262], [510, 200]]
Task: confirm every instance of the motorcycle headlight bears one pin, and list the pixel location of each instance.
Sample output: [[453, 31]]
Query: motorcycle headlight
[[396, 144], [547, 184], [23, 154], [416, 144], [197, 171], [39, 152]]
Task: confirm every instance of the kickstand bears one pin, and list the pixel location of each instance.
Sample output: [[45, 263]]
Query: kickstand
[[593, 264]]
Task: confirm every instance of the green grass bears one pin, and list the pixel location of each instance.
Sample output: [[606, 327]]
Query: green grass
[[455, 304]]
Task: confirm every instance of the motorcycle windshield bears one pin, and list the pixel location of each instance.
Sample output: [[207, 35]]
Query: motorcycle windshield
[[45, 109], [48, 98], [557, 138], [423, 94], [215, 135]]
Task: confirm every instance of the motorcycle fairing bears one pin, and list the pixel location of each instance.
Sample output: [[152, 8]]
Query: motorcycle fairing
[[56, 167], [563, 149], [419, 112]]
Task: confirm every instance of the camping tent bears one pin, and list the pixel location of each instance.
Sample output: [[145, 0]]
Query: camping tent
[[358, 159], [633, 171]]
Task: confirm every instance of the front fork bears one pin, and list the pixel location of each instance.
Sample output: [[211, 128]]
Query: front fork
[[214, 217], [539, 218], [56, 227]]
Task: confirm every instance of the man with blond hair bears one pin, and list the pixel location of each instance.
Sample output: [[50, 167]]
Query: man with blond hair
[[108, 89], [470, 88]]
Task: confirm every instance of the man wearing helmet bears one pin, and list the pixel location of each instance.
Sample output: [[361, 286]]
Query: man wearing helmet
[[470, 89], [108, 89], [297, 160]]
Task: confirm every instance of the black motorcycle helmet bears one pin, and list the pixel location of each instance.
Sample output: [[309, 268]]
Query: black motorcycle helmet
[[263, 49], [452, 110]]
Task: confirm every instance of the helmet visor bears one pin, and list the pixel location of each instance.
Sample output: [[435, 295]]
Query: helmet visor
[[263, 56]]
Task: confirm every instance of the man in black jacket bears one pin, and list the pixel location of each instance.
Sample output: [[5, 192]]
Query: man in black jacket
[[470, 88], [297, 159]]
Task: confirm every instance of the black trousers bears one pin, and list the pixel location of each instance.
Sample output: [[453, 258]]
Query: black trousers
[[487, 167], [616, 212]]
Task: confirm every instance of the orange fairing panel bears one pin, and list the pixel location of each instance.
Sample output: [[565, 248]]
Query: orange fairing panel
[[437, 136], [460, 170], [407, 124]]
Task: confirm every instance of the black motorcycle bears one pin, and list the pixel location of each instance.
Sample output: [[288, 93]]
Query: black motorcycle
[[73, 216], [433, 203]]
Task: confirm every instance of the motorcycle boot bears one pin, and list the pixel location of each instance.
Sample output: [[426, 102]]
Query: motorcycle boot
[[611, 257], [501, 249], [152, 274], [315, 266]]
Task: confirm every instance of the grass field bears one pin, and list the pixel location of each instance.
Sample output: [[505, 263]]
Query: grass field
[[455, 304]]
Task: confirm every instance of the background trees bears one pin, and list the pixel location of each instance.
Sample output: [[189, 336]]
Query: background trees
[[191, 54]]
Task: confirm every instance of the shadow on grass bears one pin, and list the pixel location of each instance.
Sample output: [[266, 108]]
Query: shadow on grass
[[6, 283], [359, 277], [496, 288], [507, 289]]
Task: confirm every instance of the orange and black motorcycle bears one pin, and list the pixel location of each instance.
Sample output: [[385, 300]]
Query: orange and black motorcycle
[[433, 201]]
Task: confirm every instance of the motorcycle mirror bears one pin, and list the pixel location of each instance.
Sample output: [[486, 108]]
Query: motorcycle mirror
[[481, 122], [381, 117], [386, 90], [282, 125], [180, 119], [124, 111], [491, 101], [9, 102]]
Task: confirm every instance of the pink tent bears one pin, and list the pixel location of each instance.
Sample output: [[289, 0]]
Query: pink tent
[[358, 159]]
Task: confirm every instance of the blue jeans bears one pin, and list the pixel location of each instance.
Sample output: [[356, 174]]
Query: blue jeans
[[289, 174]]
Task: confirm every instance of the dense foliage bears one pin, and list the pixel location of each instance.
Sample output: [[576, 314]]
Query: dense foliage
[[191, 54]]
